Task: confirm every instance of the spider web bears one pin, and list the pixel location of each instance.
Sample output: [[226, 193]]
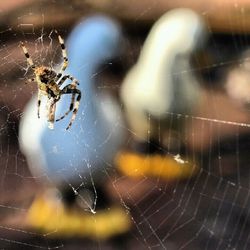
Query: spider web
[[208, 211]]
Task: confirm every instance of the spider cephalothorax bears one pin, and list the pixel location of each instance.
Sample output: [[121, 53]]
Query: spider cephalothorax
[[49, 83], [45, 75]]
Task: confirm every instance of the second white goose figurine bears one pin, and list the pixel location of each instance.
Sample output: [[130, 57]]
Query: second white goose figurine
[[162, 82]]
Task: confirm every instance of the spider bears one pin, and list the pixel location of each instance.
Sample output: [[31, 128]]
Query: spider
[[49, 83]]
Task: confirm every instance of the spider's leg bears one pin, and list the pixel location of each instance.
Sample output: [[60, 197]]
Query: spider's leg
[[51, 108], [58, 76], [64, 53], [51, 112], [26, 53], [64, 78], [38, 103], [73, 86], [69, 90]]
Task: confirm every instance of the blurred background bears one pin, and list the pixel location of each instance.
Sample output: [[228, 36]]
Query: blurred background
[[158, 156]]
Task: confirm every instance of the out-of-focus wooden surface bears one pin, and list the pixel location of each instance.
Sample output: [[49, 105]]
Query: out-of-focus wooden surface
[[221, 16]]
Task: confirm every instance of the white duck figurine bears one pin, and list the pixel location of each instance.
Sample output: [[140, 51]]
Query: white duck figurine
[[162, 82], [83, 154]]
